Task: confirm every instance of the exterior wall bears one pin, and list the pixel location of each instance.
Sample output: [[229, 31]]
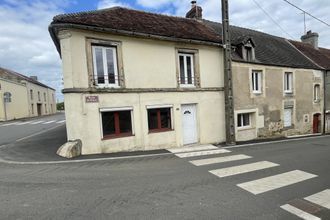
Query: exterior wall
[[268, 108], [147, 65], [47, 106], [14, 109]]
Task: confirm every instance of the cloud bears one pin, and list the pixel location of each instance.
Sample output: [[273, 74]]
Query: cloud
[[25, 44], [112, 3]]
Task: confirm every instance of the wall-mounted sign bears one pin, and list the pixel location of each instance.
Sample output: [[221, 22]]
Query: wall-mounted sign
[[92, 99]]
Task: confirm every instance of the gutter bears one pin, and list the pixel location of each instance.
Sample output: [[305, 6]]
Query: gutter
[[52, 30]]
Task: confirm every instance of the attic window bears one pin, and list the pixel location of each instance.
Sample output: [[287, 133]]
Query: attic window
[[248, 53]]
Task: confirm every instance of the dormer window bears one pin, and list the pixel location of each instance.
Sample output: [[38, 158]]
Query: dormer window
[[245, 46], [248, 54]]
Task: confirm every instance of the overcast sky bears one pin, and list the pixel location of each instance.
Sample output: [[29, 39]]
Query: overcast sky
[[25, 45]]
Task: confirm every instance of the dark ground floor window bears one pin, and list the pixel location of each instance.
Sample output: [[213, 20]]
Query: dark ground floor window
[[116, 124], [159, 119]]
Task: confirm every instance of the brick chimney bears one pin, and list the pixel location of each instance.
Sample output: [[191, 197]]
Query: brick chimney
[[311, 38], [195, 11]]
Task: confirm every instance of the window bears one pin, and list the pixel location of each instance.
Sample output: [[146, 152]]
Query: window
[[46, 108], [244, 120], [38, 96], [256, 81], [105, 66], [31, 94], [248, 53], [116, 124], [159, 119], [32, 109], [316, 93], [288, 82], [187, 73], [44, 96]]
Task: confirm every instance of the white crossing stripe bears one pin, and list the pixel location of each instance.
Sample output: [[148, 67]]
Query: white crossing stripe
[[189, 149], [276, 181], [48, 122], [299, 213], [321, 198], [202, 153], [246, 168], [209, 161], [37, 122], [59, 122]]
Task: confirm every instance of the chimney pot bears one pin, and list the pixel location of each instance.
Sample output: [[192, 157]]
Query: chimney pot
[[311, 38], [195, 11], [34, 78]]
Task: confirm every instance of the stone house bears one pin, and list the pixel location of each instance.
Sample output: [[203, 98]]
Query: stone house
[[320, 56], [273, 86], [135, 80], [23, 96], [139, 81]]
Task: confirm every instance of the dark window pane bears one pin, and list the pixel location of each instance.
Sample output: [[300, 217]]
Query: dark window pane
[[257, 81], [189, 70], [152, 119], [253, 86], [111, 66], [182, 77], [165, 118], [99, 65], [108, 123], [246, 120], [239, 121], [125, 122]]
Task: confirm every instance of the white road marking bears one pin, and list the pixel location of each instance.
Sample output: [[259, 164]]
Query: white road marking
[[299, 213], [219, 160], [274, 182], [24, 123], [202, 153], [5, 125], [321, 198], [246, 168], [59, 122], [48, 122], [189, 149], [37, 122]]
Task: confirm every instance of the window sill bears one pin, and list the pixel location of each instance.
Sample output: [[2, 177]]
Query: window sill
[[187, 86], [245, 128], [317, 101], [153, 131], [257, 93], [110, 137]]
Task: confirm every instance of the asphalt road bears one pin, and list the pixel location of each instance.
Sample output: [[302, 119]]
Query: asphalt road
[[169, 187], [19, 129]]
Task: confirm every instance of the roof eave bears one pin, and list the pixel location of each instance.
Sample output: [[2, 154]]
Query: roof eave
[[52, 30]]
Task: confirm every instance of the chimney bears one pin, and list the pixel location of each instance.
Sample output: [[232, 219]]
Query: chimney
[[195, 11], [35, 78], [311, 38]]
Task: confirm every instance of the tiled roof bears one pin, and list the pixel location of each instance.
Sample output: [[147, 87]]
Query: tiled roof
[[320, 56], [269, 49], [135, 21], [17, 77]]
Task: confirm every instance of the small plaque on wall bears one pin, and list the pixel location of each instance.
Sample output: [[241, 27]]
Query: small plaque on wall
[[92, 99]]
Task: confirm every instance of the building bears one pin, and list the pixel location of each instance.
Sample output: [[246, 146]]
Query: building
[[139, 81], [320, 56], [277, 90], [23, 96]]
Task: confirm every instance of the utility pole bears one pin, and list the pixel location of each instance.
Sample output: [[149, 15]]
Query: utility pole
[[229, 102]]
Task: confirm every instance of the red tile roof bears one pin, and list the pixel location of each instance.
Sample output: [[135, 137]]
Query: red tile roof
[[320, 56], [135, 21]]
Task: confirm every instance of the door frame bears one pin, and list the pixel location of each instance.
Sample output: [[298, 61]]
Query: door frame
[[197, 124]]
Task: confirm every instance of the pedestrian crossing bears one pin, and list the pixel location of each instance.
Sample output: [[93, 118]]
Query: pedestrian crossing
[[217, 156], [33, 122], [322, 199]]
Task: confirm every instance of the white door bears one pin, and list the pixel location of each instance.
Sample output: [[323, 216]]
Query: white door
[[189, 124], [287, 117]]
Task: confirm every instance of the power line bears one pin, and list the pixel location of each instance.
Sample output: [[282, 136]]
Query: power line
[[272, 19], [307, 13]]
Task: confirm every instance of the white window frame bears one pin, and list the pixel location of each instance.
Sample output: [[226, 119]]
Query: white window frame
[[185, 55], [288, 82], [105, 66], [256, 78], [242, 120]]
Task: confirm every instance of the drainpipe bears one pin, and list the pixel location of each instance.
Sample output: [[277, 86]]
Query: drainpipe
[[229, 102]]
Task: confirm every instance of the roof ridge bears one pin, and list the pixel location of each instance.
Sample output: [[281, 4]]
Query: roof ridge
[[120, 7]]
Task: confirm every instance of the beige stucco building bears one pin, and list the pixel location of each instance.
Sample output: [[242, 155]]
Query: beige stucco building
[[140, 81], [23, 97]]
